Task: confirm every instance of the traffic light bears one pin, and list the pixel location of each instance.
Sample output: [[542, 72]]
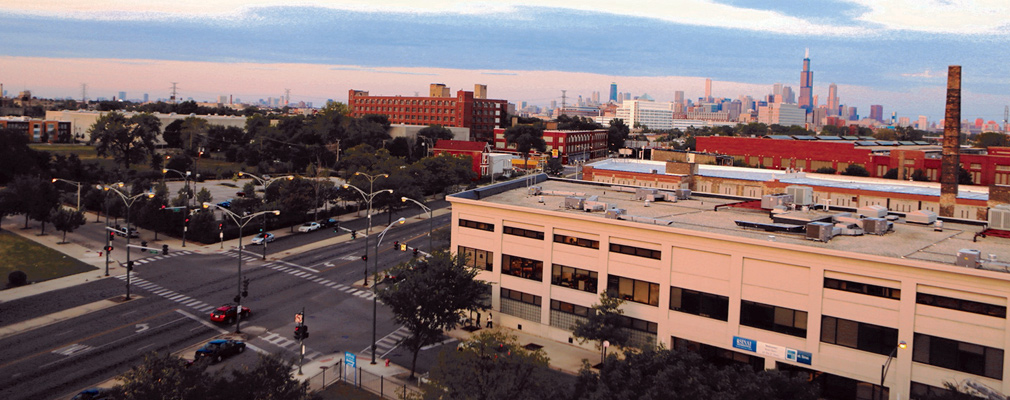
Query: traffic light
[[112, 235], [237, 299], [129, 265], [187, 221], [301, 332], [354, 235], [396, 244], [108, 248], [415, 252], [162, 206], [164, 249], [221, 227], [245, 288], [364, 258]]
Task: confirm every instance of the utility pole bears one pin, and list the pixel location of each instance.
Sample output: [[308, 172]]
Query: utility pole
[[84, 93]]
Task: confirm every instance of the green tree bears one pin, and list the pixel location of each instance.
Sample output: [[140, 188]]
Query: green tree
[[492, 365], [885, 134], [128, 140], [164, 376], [66, 220], [193, 132], [203, 196], [436, 174], [272, 378], [173, 134], [555, 167], [16, 158], [833, 130], [919, 175], [826, 170], [986, 140], [752, 129], [617, 134], [963, 176], [429, 298], [525, 138], [605, 322], [855, 170]]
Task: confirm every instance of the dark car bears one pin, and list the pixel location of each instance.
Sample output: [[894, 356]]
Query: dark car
[[327, 222], [217, 350], [226, 313], [93, 394]]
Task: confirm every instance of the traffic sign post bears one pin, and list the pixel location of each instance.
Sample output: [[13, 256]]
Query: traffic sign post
[[351, 360]]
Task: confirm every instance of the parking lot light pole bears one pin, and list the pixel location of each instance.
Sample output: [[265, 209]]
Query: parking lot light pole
[[431, 226], [78, 190], [887, 365], [375, 282], [368, 199], [244, 220], [189, 195], [128, 200], [265, 182]]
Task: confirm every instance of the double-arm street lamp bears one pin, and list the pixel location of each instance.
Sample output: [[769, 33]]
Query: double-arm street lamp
[[241, 221], [189, 195], [78, 190], [128, 200], [431, 225], [887, 364], [368, 199], [265, 182], [375, 281]]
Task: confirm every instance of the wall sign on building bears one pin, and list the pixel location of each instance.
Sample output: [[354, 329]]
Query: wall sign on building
[[771, 350]]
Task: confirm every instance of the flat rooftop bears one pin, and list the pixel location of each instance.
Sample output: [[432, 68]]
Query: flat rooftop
[[907, 240]]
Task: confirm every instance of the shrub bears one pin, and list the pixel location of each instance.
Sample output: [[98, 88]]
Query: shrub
[[17, 278]]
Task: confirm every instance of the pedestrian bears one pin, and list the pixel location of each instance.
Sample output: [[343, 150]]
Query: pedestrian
[[478, 320], [489, 323]]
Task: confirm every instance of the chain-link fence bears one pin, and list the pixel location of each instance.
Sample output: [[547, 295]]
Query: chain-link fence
[[385, 387]]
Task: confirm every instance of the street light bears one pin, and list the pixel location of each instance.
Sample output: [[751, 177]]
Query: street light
[[128, 200], [245, 220], [431, 223], [375, 281], [368, 199], [189, 195], [265, 182], [887, 364], [78, 190]]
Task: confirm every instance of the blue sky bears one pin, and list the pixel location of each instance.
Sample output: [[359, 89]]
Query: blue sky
[[890, 52]]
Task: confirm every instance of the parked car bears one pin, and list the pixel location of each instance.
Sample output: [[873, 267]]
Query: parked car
[[225, 204], [327, 222], [263, 237], [226, 313], [94, 394], [309, 227], [132, 231], [216, 350]]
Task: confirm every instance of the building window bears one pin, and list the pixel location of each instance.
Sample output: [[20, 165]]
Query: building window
[[862, 288], [523, 305], [575, 278], [958, 356], [522, 267], [570, 308], [575, 241], [858, 335], [532, 234], [719, 356], [961, 305], [477, 258], [635, 251], [924, 391], [520, 296], [476, 225], [640, 325], [773, 318], [699, 303], [633, 290]]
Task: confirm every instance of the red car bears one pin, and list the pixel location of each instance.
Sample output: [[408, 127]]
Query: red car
[[226, 313]]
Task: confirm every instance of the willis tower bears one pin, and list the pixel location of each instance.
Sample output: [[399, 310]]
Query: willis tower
[[806, 84]]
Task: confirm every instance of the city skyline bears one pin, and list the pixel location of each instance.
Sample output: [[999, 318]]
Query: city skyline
[[321, 49]]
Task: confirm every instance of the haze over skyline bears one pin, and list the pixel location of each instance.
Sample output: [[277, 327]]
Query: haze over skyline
[[893, 53]]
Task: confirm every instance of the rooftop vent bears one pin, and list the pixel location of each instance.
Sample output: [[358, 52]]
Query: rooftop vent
[[874, 211], [802, 195], [769, 201], [999, 217], [921, 217]]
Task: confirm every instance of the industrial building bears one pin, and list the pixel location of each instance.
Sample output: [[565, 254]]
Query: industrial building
[[472, 110]]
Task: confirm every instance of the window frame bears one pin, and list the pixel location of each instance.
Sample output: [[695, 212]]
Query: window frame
[[636, 251], [699, 303], [592, 278], [772, 316], [577, 241], [616, 290], [483, 226], [522, 232]]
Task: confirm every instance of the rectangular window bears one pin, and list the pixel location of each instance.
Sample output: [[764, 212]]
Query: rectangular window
[[575, 278], [633, 290], [520, 296], [635, 251], [522, 267], [569, 308], [961, 305], [476, 225], [640, 325], [532, 234], [719, 356], [858, 335], [575, 241], [699, 303], [477, 258], [773, 318], [862, 288], [958, 356]]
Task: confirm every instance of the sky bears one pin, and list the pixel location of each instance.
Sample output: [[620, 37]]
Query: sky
[[889, 52]]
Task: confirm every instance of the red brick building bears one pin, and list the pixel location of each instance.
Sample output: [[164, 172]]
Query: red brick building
[[571, 145], [38, 130], [477, 151], [465, 110], [811, 155]]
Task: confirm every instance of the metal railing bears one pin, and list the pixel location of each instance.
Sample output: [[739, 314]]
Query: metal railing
[[380, 385]]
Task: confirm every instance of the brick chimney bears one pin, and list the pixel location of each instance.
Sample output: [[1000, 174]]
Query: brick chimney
[[950, 161]]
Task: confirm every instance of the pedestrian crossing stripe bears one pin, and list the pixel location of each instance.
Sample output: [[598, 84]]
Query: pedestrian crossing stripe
[[72, 349], [388, 343], [168, 294]]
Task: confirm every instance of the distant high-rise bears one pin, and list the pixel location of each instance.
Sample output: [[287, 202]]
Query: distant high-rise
[[146, 98], [877, 112], [788, 95], [678, 101], [122, 96], [832, 99], [806, 84], [708, 89], [613, 92]]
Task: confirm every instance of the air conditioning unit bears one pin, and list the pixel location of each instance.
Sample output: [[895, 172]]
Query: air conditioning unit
[[820, 231], [924, 217], [877, 226], [769, 201], [643, 193], [574, 202], [874, 211], [968, 258], [802, 195], [999, 217], [683, 194], [615, 213], [533, 190]]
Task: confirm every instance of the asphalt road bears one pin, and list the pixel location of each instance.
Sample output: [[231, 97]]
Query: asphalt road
[[173, 298]]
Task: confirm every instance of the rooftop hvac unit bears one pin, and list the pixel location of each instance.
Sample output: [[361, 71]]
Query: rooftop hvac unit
[[643, 193], [999, 217], [655, 197], [968, 258], [874, 211], [921, 217], [615, 213], [574, 202], [877, 226], [821, 231], [802, 195], [683, 194], [533, 190], [769, 201]]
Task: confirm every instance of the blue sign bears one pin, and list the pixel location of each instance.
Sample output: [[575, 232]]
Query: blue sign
[[350, 359], [744, 344], [803, 357]]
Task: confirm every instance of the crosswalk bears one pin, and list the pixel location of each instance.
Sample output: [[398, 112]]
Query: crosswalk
[[278, 340], [388, 343], [169, 294], [245, 256], [146, 260], [302, 273]]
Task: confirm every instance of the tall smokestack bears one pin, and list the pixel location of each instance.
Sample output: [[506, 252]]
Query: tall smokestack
[[950, 162]]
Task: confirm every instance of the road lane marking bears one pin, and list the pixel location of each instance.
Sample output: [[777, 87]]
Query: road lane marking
[[53, 318]]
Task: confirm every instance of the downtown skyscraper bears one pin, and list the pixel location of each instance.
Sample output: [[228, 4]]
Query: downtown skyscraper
[[613, 92], [806, 101]]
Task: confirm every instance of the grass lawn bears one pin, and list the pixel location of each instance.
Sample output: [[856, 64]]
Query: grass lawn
[[39, 262]]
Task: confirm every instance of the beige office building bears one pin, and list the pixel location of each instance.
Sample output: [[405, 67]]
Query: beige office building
[[738, 286]]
